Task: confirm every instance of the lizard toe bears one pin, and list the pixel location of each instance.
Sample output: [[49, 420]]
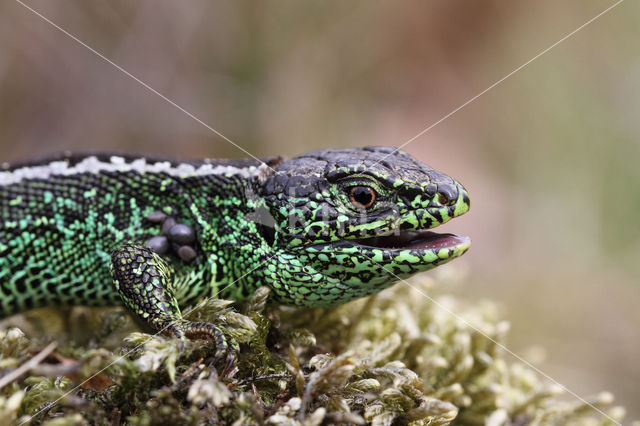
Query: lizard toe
[[226, 347], [231, 361]]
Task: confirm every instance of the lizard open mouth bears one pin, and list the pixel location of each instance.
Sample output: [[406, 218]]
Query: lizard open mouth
[[414, 240]]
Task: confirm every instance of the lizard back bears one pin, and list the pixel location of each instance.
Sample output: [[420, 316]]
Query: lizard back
[[62, 216]]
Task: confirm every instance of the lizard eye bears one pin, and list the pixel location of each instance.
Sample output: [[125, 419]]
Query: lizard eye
[[362, 196]]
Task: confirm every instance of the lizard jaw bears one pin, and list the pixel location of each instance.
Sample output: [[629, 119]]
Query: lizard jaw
[[417, 250], [415, 240]]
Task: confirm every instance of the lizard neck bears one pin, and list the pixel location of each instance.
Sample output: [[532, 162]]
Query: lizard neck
[[222, 209]]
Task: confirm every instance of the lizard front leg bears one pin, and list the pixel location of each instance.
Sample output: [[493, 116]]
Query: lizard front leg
[[144, 281]]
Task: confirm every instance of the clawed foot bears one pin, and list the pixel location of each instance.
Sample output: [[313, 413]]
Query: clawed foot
[[227, 348]]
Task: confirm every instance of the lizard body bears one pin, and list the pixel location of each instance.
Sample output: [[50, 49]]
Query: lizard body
[[156, 235]]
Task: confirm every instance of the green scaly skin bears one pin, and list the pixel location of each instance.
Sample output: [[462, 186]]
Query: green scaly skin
[[73, 231]]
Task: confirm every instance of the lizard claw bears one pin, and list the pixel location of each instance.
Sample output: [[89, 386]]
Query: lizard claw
[[226, 353], [232, 359]]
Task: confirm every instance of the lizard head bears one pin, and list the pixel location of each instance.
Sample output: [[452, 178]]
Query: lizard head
[[346, 223]]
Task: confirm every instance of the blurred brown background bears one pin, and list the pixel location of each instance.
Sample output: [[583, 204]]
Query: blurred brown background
[[550, 156]]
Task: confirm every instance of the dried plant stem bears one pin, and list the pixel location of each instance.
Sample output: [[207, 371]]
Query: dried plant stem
[[24, 368]]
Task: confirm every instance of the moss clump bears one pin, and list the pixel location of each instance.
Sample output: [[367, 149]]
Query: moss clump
[[396, 358]]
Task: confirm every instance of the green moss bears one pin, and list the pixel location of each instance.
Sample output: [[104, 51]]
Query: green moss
[[396, 358]]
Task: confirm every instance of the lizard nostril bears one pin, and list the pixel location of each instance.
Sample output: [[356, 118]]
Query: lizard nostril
[[447, 196]]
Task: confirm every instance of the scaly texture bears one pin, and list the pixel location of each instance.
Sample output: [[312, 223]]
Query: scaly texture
[[320, 229]]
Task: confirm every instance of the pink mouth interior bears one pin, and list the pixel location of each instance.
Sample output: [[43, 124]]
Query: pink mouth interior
[[415, 240]]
